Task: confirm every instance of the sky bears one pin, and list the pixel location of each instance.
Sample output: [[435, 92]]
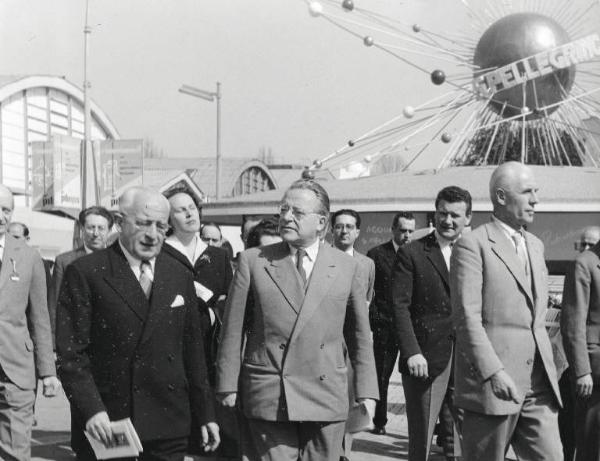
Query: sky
[[290, 82]]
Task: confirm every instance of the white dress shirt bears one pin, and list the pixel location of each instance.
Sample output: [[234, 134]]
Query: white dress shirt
[[311, 256], [2, 244], [199, 247], [135, 263]]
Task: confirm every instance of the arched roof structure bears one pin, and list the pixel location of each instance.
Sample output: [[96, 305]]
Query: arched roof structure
[[33, 108]]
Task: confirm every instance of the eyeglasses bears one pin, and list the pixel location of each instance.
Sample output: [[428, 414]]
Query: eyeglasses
[[296, 213], [161, 226]]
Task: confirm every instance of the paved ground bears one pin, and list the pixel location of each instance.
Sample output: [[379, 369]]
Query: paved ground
[[51, 435]]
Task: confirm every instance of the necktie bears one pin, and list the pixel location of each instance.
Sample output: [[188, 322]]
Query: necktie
[[521, 253], [146, 278], [300, 255]]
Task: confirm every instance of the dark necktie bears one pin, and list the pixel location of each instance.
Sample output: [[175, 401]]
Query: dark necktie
[[146, 278], [300, 255]]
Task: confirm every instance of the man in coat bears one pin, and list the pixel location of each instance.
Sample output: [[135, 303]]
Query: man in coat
[[25, 337], [423, 315], [295, 303], [381, 318], [129, 339], [580, 327], [505, 378], [95, 223]]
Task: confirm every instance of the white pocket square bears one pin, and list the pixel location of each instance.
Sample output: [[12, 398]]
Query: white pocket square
[[178, 301]]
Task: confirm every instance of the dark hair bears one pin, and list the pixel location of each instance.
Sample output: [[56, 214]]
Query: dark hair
[[347, 212], [317, 189], [99, 211], [402, 215], [211, 224], [454, 194], [268, 226]]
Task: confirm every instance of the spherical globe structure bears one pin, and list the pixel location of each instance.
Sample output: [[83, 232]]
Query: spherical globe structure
[[512, 39]]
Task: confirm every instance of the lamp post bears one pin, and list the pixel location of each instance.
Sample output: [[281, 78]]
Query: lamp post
[[210, 96]]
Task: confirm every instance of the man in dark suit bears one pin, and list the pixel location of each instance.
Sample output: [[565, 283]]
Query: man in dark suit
[[129, 338], [95, 223], [423, 319], [505, 378], [580, 327], [381, 318], [25, 337], [295, 303]]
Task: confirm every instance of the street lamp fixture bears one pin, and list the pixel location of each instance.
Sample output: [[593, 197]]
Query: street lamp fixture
[[210, 96]]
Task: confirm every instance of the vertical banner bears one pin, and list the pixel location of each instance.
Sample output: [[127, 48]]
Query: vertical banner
[[42, 175], [67, 172], [120, 168], [56, 174]]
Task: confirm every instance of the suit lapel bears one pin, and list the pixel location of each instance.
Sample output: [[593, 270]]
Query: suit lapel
[[12, 251], [123, 281], [536, 263], [322, 276], [505, 250], [162, 295], [435, 256], [178, 255], [285, 276]]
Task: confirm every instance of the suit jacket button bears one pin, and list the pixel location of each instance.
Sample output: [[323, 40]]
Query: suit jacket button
[[322, 346], [171, 357], [171, 387], [529, 361], [136, 389], [323, 377], [282, 346]]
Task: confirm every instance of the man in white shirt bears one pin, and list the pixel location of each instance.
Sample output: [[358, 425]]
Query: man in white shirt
[[420, 299]]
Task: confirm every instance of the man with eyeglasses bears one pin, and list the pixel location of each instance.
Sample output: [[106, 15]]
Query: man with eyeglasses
[[129, 339], [295, 303], [380, 310]]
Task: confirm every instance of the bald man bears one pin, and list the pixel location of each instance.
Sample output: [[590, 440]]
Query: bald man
[[25, 337], [129, 339], [505, 379], [589, 237]]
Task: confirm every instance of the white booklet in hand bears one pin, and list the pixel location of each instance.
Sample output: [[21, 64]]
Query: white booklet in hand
[[125, 441]]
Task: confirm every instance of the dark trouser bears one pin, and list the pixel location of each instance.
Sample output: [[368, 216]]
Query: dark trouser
[[154, 450], [587, 426], [385, 348], [424, 400], [291, 440], [566, 415]]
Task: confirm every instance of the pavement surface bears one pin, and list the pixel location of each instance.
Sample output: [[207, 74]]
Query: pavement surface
[[51, 435]]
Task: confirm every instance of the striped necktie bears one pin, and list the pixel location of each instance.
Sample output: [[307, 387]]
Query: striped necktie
[[300, 255], [146, 278]]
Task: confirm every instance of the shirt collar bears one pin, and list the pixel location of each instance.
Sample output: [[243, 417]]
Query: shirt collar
[[176, 243], [3, 240], [509, 231], [442, 242], [396, 246], [87, 250], [311, 251], [350, 251], [133, 261]]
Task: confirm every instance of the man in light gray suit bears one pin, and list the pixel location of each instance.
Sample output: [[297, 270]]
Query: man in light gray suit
[[25, 337], [505, 378], [295, 304]]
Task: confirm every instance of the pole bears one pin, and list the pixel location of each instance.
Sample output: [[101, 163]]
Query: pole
[[218, 167], [86, 110]]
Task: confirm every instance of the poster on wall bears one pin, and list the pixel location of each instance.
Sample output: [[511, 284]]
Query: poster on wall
[[120, 168], [56, 174]]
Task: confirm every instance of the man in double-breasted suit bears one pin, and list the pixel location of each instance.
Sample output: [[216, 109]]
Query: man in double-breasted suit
[[295, 302], [25, 337], [580, 327], [505, 378], [96, 223], [129, 339], [423, 319], [381, 318]]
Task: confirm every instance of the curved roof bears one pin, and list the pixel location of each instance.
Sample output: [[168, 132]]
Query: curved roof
[[561, 189], [11, 84]]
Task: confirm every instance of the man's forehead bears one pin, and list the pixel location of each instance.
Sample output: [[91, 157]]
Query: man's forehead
[[154, 210], [345, 218]]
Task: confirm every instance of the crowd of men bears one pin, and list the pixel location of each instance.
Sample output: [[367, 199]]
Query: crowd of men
[[266, 362]]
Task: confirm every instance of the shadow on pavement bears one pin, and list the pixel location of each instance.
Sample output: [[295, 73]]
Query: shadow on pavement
[[396, 448]]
